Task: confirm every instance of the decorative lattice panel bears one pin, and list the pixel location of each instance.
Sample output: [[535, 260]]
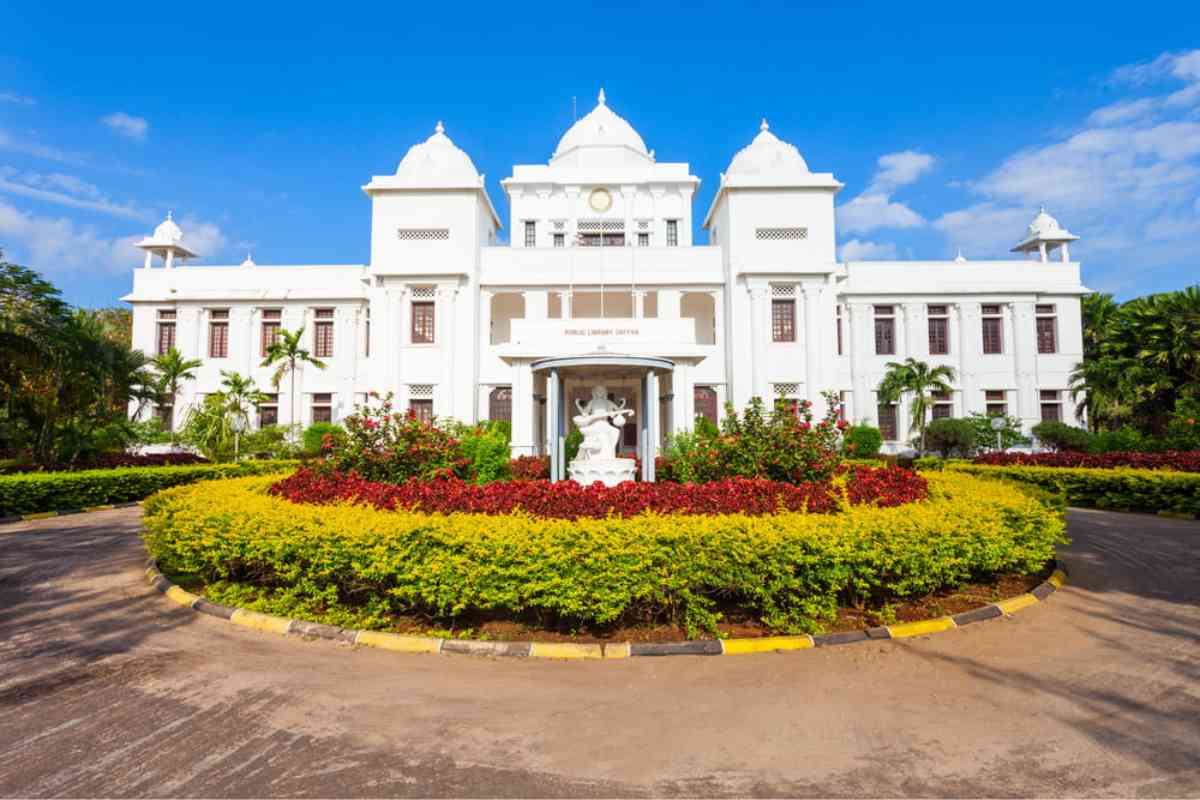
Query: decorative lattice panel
[[419, 390], [600, 225], [643, 224], [559, 224], [423, 292], [423, 234], [787, 389], [783, 290], [770, 234]]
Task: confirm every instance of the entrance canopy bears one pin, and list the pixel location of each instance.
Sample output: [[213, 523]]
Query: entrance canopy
[[598, 367]]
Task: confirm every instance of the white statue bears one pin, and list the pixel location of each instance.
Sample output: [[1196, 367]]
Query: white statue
[[600, 421]]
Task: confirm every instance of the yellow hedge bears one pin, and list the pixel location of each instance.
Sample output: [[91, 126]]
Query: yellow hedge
[[791, 570]]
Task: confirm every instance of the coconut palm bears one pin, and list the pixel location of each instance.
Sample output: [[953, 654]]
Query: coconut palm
[[287, 355], [922, 382], [240, 393], [172, 370]]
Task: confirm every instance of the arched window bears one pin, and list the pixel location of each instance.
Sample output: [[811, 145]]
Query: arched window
[[500, 404], [706, 403]]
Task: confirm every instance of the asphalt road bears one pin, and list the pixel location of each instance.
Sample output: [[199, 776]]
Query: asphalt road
[[107, 689]]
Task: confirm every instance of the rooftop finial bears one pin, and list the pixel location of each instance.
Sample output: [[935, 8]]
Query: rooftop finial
[[170, 214], [601, 100], [1042, 208], [439, 128], [763, 126], [960, 257]]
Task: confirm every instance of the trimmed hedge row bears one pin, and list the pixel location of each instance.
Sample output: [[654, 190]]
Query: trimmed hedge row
[[1145, 490], [1179, 461], [350, 564], [30, 493]]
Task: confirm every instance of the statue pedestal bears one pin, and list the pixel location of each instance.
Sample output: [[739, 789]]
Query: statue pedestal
[[609, 471]]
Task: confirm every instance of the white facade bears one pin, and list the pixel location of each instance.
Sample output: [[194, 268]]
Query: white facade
[[601, 260]]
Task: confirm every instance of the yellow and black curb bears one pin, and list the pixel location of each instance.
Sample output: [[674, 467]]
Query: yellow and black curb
[[611, 650], [65, 512]]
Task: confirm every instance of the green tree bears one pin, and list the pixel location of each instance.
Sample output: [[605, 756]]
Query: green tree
[[240, 392], [172, 370], [287, 355], [921, 381]]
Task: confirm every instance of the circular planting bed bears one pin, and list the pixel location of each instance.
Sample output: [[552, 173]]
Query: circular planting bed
[[527, 560]]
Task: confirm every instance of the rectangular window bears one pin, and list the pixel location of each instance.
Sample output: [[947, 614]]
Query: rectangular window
[[887, 423], [530, 233], [166, 332], [840, 346], [939, 330], [268, 411], [1047, 329], [422, 323], [1051, 405], [323, 333], [643, 240], [943, 405], [885, 330], [672, 233], [322, 407], [706, 403], [272, 319], [218, 333], [996, 404], [783, 320], [993, 330], [422, 409], [560, 240]]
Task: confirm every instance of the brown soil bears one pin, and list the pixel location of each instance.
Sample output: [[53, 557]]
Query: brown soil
[[737, 624]]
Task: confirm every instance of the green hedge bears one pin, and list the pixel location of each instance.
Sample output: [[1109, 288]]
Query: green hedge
[[32, 492], [1147, 490]]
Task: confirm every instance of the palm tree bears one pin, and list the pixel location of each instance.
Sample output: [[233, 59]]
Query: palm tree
[[287, 354], [173, 369], [240, 392], [921, 381]]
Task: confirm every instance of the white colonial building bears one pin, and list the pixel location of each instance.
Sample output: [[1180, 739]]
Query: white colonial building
[[601, 283]]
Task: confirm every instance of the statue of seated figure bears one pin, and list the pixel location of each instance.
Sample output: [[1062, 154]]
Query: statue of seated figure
[[599, 421]]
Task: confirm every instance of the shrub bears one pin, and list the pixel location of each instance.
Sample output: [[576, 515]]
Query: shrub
[[486, 449], [569, 500], [54, 491], [384, 445], [571, 443], [985, 435], [861, 441], [1061, 437], [1183, 430], [269, 442], [1150, 491], [530, 468], [950, 437], [1121, 440], [788, 570], [1179, 462], [314, 442], [112, 461]]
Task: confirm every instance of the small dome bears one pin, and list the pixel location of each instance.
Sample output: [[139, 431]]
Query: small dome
[[1042, 225], [601, 128], [437, 160], [249, 262], [767, 154], [168, 231]]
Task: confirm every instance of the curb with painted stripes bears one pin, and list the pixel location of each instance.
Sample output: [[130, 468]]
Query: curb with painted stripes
[[65, 512], [609, 650]]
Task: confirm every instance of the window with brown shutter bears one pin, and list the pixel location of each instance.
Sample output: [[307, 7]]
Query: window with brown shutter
[[166, 332], [993, 330], [997, 406], [1047, 329], [783, 320], [322, 407], [422, 323], [268, 411], [500, 404], [887, 423], [943, 405], [885, 330], [422, 409], [323, 333], [1051, 405], [272, 319], [939, 330], [706, 403], [218, 333]]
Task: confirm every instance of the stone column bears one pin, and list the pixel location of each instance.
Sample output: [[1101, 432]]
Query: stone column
[[553, 409], [652, 438], [1021, 326], [681, 387], [669, 303], [522, 409]]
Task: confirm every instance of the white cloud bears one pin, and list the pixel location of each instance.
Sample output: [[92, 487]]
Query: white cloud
[[858, 250], [1123, 111], [66, 190], [126, 125], [874, 208], [18, 145], [60, 246], [16, 99]]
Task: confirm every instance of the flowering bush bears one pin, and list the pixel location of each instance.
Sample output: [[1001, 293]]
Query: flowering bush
[[569, 500], [790, 571], [785, 445], [530, 468], [384, 445], [1179, 462]]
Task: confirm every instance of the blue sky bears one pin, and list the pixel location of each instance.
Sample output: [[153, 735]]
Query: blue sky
[[949, 124]]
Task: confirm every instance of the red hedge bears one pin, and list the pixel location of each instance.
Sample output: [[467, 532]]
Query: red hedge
[[114, 460], [1171, 460], [569, 500]]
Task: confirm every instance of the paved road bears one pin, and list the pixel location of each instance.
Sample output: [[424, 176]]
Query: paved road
[[108, 690]]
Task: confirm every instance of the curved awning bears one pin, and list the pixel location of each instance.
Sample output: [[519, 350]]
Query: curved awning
[[603, 360]]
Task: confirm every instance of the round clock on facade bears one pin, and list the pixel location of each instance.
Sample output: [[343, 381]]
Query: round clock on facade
[[600, 200]]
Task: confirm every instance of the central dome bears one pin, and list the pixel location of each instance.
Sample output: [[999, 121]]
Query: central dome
[[601, 128]]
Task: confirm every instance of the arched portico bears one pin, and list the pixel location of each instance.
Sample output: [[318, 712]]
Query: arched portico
[[597, 367]]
